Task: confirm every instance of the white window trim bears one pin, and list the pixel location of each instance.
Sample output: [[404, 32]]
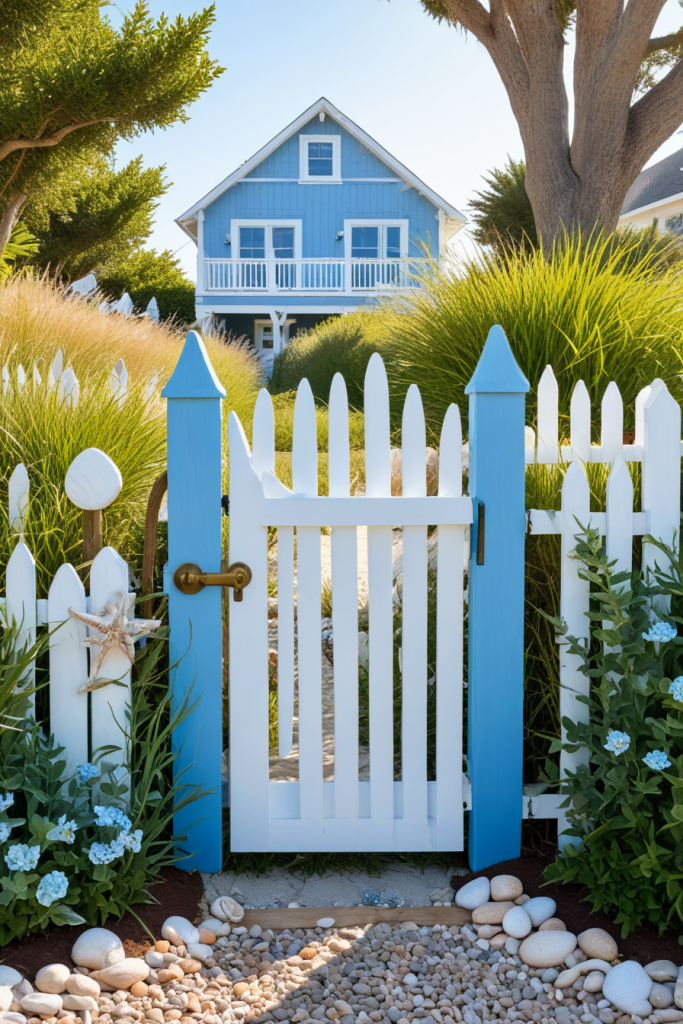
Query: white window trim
[[266, 223], [304, 177], [376, 222]]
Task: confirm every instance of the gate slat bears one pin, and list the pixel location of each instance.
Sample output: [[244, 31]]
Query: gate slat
[[378, 484], [309, 572], [344, 552], [580, 422], [109, 576], [612, 425], [414, 621], [547, 451], [18, 492], [449, 652], [619, 516], [285, 639], [68, 666], [21, 602], [661, 472]]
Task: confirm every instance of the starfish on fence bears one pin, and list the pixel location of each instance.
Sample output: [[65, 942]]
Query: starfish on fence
[[118, 631]]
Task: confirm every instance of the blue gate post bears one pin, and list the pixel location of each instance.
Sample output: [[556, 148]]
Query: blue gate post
[[496, 603], [194, 458]]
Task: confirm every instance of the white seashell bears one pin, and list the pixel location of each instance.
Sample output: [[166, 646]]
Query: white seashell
[[225, 908]]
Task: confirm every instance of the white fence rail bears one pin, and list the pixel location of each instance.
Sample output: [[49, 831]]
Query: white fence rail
[[657, 445], [311, 275]]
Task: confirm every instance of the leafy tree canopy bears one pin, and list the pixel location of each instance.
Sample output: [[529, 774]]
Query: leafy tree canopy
[[147, 273]]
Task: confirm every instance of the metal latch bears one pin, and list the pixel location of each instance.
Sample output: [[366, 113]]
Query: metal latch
[[189, 578], [481, 531]]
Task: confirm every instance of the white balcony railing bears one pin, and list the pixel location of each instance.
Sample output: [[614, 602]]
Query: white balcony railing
[[310, 276]]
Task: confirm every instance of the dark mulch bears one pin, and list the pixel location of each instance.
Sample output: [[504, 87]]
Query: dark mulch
[[643, 945], [179, 893]]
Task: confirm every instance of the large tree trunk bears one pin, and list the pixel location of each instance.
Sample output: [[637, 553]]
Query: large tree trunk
[[579, 183], [9, 218]]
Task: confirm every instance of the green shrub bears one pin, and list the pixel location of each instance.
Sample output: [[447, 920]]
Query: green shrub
[[626, 804], [64, 861], [145, 274], [341, 344]]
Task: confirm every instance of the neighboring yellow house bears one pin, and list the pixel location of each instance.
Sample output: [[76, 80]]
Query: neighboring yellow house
[[656, 192]]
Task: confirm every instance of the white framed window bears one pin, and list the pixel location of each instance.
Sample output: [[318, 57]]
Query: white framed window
[[265, 239], [375, 239], [320, 159]]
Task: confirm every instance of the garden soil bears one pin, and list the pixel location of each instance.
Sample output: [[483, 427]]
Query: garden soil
[[179, 893], [644, 945]]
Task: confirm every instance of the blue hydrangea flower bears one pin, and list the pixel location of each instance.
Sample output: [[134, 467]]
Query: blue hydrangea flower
[[657, 760], [65, 832], [102, 853], [22, 857], [5, 830], [676, 689], [130, 840], [87, 771], [52, 887], [108, 816], [6, 801], [660, 631], [617, 742]]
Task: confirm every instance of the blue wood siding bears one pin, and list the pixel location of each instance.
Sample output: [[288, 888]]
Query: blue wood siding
[[321, 208]]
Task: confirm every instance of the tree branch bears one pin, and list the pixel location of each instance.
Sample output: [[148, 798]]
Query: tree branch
[[12, 145], [653, 119], [664, 42]]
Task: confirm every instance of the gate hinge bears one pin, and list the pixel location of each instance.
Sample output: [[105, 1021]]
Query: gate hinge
[[225, 504]]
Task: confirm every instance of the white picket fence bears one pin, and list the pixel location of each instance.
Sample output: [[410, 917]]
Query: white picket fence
[[73, 715], [347, 814], [658, 447], [68, 386]]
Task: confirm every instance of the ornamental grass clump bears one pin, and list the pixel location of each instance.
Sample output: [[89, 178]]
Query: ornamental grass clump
[[625, 802], [84, 848]]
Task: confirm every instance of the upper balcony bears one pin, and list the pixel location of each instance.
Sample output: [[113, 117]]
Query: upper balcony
[[309, 276]]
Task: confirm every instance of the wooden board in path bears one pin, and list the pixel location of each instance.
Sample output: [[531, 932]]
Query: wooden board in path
[[351, 917]]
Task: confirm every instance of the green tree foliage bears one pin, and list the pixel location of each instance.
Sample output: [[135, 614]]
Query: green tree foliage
[[111, 215], [72, 85], [147, 273], [503, 216], [21, 245]]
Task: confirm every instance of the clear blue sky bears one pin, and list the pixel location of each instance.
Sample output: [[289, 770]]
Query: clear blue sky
[[426, 92]]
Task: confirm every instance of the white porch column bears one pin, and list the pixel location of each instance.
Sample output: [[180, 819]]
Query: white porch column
[[201, 274], [279, 321]]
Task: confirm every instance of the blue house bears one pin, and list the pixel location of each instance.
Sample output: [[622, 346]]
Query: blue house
[[320, 221]]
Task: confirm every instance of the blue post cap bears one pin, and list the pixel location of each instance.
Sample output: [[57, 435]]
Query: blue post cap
[[497, 369], [194, 376]]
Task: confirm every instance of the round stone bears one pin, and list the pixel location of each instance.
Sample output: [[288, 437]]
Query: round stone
[[44, 1003], [628, 987], [325, 922], [240, 988], [154, 959], [410, 979], [124, 974], [593, 982], [474, 894], [10, 977], [198, 951], [512, 945], [255, 931], [82, 985], [659, 970], [6, 998], [207, 937], [70, 1002], [52, 978], [491, 913], [539, 909], [596, 942], [661, 996], [13, 1017], [92, 480], [179, 931], [506, 887], [97, 948], [517, 923], [553, 924], [547, 949]]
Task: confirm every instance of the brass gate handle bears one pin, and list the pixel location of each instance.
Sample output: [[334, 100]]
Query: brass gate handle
[[189, 578]]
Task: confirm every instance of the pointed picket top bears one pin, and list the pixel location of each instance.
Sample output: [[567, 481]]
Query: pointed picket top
[[548, 404], [304, 442], [6, 384], [339, 461], [612, 425], [37, 379], [55, 371], [641, 399], [414, 446], [660, 398], [68, 387], [21, 377], [497, 369], [450, 454], [377, 429], [580, 422], [18, 491], [263, 445], [194, 376]]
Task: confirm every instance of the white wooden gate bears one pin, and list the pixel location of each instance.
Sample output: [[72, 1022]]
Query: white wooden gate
[[383, 813]]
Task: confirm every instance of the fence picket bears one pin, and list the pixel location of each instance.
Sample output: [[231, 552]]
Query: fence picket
[[263, 447], [449, 651], [574, 601], [18, 492], [661, 474], [118, 382], [378, 484], [55, 371], [619, 516], [21, 600], [309, 581], [68, 388], [547, 450], [36, 378], [109, 578], [21, 378], [612, 424], [414, 621], [68, 666], [580, 422], [344, 557], [641, 399]]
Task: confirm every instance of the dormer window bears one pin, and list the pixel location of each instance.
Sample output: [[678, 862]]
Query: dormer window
[[320, 159]]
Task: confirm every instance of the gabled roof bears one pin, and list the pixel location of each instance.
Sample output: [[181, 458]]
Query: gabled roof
[[187, 221], [664, 180]]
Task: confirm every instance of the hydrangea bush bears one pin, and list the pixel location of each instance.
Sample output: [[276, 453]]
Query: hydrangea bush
[[85, 847], [625, 805]]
